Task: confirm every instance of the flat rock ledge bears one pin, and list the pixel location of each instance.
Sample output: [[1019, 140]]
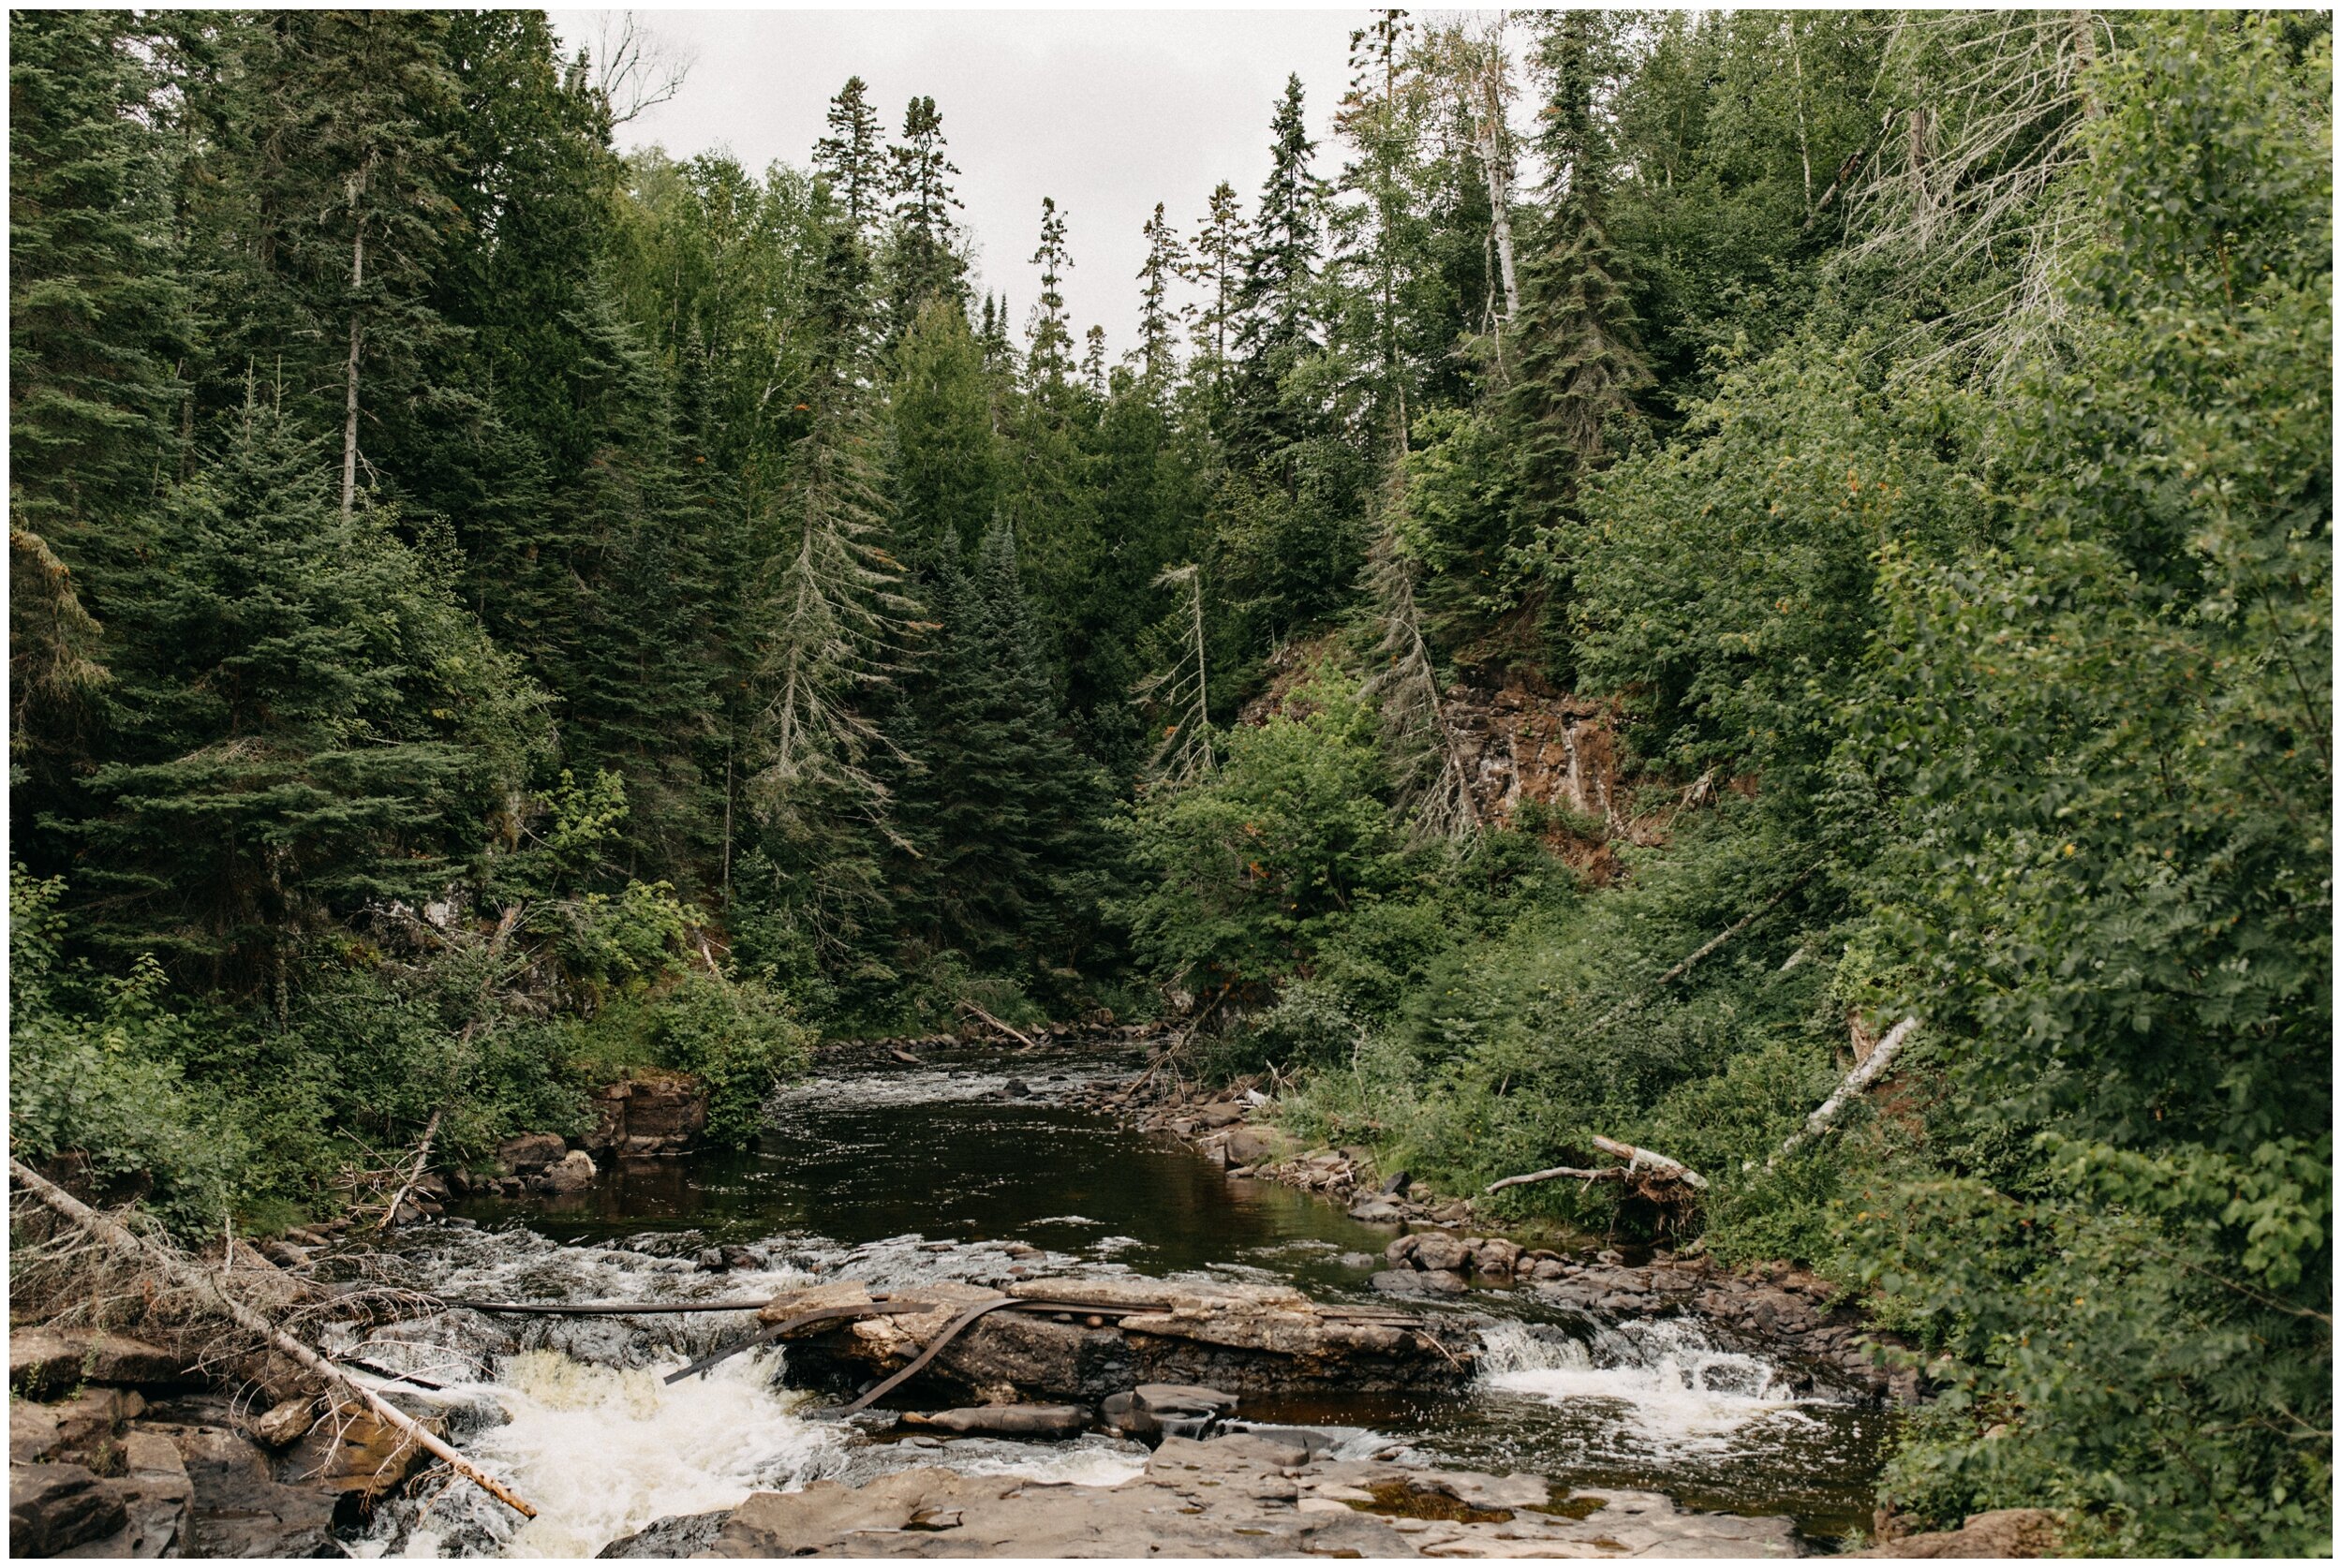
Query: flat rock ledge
[[1114, 1334], [1244, 1495]]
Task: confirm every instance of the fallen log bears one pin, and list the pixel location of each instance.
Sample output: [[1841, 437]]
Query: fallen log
[[875, 1309], [1030, 1043], [1867, 1073], [414, 1173], [204, 1286], [602, 1308], [1639, 1161], [951, 1331]]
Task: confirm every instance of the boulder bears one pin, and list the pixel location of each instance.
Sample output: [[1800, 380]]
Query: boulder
[[1400, 1252], [83, 1429], [2004, 1532], [1255, 1145], [285, 1421], [44, 1363], [1496, 1256], [52, 1508], [158, 1503], [1409, 1282], [572, 1173], [351, 1451], [1437, 1249], [1220, 1115], [678, 1535], [530, 1152], [1372, 1210], [240, 1509]]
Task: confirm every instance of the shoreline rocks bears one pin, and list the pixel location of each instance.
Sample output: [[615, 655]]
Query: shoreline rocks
[[1242, 1495]]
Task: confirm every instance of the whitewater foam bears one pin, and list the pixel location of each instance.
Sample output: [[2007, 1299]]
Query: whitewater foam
[[1665, 1385]]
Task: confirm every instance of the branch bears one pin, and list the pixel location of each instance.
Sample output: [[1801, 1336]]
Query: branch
[[414, 1172], [195, 1280], [1638, 1161], [1867, 1073]]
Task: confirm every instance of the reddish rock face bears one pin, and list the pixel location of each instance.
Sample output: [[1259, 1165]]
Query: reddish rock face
[[648, 1112]]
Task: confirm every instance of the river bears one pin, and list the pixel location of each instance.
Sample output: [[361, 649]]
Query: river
[[908, 1175]]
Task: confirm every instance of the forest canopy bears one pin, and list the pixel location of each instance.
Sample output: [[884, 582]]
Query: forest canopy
[[488, 609]]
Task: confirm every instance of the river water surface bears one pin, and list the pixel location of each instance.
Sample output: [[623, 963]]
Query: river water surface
[[896, 1176]]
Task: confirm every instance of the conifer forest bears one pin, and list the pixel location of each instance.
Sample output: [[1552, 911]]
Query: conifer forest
[[1751, 586]]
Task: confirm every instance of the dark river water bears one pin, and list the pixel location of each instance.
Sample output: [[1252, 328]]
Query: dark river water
[[896, 1173]]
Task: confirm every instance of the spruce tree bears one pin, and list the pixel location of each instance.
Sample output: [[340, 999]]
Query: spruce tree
[[1580, 360], [308, 722], [925, 250], [853, 158], [946, 467], [94, 303], [1049, 343], [1157, 354], [1218, 271]]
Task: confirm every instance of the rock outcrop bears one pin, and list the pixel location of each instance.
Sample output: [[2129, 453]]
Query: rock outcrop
[[1113, 1335], [2004, 1532], [649, 1112], [1243, 1495]]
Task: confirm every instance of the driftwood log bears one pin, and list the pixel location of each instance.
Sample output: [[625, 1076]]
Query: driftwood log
[[1010, 1029], [135, 1250], [1643, 1169]]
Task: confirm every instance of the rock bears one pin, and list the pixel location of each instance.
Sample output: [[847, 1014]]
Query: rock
[[1398, 1183], [1409, 1282], [44, 1363], [1255, 1145], [285, 1421], [1016, 1089], [572, 1173], [1370, 1210], [1548, 1268], [1247, 1494], [1009, 1421], [1220, 1115], [530, 1152], [158, 1503], [353, 1451], [1400, 1252], [711, 1259], [1358, 1260], [82, 1429], [1437, 1249], [1496, 1256], [1441, 1281], [651, 1110], [680, 1535], [240, 1511], [2004, 1532], [54, 1507]]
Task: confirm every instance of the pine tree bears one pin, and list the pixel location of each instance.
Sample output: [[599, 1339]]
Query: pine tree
[[1156, 355], [1050, 340], [1580, 360], [854, 159], [1094, 362]]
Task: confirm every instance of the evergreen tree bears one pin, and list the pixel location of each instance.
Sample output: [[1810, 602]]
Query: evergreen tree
[[93, 301], [1218, 270], [353, 169], [946, 468], [1157, 354], [854, 159], [1050, 340], [308, 721], [1277, 298], [1579, 363], [1094, 362], [926, 260], [1014, 843]]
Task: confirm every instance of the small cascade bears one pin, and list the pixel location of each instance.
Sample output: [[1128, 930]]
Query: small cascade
[[1663, 1385]]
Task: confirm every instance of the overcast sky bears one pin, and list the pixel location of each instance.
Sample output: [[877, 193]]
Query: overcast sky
[[1109, 111]]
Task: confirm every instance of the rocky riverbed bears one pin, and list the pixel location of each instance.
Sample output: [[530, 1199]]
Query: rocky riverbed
[[966, 1175]]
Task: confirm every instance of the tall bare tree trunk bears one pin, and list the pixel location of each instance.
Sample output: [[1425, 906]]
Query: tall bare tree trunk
[[357, 340]]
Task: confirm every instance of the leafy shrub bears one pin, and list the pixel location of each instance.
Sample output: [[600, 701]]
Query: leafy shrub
[[739, 1037]]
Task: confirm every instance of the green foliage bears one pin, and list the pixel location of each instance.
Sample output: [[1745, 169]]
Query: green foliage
[[738, 1038], [1257, 865]]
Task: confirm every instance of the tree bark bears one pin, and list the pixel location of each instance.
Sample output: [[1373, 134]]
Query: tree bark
[[1867, 1073], [132, 1248]]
